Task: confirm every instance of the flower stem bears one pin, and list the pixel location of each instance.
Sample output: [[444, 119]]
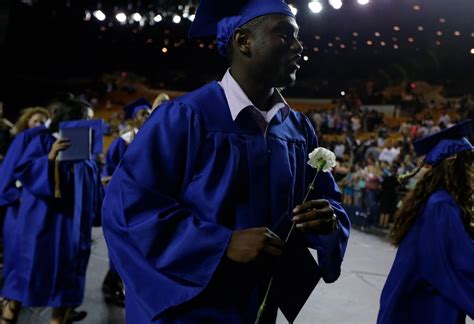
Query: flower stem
[[261, 309]]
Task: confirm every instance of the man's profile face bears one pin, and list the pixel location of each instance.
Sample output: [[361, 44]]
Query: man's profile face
[[276, 49]]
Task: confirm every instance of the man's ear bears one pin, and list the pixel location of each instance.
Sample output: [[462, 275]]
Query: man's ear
[[241, 40]]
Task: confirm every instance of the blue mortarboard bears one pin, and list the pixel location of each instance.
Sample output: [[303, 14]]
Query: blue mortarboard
[[132, 108], [445, 143], [97, 126], [222, 17]]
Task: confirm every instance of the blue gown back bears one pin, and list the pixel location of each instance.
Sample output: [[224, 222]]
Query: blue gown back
[[53, 235], [432, 277]]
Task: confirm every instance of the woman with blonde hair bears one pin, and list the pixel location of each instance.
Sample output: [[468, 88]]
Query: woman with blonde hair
[[432, 277], [30, 118]]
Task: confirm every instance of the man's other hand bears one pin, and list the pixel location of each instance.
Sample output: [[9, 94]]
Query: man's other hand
[[246, 245]]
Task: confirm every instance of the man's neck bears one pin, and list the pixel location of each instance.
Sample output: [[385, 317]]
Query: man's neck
[[256, 90]]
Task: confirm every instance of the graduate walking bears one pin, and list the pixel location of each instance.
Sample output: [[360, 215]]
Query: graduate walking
[[432, 277], [137, 112], [193, 214], [52, 236]]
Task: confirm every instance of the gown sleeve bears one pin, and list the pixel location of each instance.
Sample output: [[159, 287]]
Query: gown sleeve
[[9, 193], [330, 248], [34, 170], [155, 241], [445, 253]]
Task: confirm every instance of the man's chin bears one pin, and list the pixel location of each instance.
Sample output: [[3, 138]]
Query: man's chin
[[287, 81]]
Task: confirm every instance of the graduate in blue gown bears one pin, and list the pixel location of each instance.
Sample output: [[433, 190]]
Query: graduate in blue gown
[[137, 112], [191, 212], [53, 226], [10, 194], [432, 277]]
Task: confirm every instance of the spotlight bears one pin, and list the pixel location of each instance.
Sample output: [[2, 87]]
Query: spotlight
[[343, 93], [99, 15], [315, 6], [87, 15], [137, 17], [121, 17], [191, 17], [363, 2], [305, 58], [336, 4], [176, 19], [472, 51], [157, 18]]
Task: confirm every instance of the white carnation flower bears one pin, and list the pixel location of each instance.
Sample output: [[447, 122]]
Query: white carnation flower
[[322, 159]]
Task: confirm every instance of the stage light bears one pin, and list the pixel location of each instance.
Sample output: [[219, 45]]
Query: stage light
[[305, 58], [416, 7], [336, 4], [293, 9], [99, 15], [396, 28], [343, 93], [472, 51], [439, 33], [420, 28], [164, 50], [363, 2], [316, 49], [87, 15], [382, 44], [157, 18], [315, 6], [457, 33], [377, 34], [121, 17], [137, 17], [411, 39], [370, 43], [191, 17], [176, 19]]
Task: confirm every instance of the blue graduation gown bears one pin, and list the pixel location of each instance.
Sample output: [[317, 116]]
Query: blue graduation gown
[[191, 177], [114, 156], [432, 278], [53, 235], [10, 198]]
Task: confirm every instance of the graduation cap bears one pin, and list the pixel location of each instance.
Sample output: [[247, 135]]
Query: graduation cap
[[96, 125], [134, 107], [221, 18], [445, 143]]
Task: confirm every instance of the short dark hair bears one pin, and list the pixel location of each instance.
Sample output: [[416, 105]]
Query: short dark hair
[[249, 26], [69, 109]]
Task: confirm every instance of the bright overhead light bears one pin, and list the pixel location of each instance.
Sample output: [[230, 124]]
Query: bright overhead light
[[99, 15], [305, 58], [472, 51], [343, 93], [191, 17], [121, 17], [315, 6], [157, 18], [363, 2], [336, 4], [176, 19], [293, 9], [137, 17]]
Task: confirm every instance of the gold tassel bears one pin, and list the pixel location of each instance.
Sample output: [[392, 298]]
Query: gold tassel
[[57, 187]]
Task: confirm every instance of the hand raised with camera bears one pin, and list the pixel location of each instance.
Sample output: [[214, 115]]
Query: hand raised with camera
[[247, 245], [59, 145]]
